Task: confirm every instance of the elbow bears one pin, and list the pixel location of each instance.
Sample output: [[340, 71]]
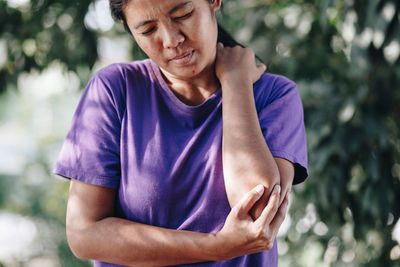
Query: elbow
[[265, 174], [77, 244], [270, 179], [274, 179], [236, 189], [269, 183]]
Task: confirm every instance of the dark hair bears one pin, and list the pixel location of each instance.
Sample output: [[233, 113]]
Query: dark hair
[[117, 12]]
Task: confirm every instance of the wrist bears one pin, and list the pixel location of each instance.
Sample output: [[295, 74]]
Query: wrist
[[219, 246], [235, 82], [237, 91]]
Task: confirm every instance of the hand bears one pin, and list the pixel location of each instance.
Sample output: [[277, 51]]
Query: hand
[[286, 173], [286, 189], [237, 64], [242, 235]]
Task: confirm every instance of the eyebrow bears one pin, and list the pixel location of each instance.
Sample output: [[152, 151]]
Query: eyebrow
[[143, 23], [178, 7], [175, 8]]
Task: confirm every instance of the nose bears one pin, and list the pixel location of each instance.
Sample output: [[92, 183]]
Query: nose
[[172, 36]]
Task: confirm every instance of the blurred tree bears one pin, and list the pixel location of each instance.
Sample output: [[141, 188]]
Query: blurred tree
[[34, 34], [344, 55], [37, 32]]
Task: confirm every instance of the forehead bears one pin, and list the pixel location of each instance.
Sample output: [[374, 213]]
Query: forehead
[[152, 8]]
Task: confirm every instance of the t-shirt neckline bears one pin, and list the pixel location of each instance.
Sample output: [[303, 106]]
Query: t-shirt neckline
[[203, 107]]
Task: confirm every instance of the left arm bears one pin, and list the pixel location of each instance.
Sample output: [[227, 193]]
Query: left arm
[[247, 160]]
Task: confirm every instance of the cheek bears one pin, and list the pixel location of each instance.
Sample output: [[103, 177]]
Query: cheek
[[207, 31], [146, 45], [149, 48]]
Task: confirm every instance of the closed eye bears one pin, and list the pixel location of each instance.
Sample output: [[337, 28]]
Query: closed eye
[[184, 16], [149, 31], [187, 15]]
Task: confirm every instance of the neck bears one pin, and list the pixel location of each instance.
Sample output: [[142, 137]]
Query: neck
[[194, 90]]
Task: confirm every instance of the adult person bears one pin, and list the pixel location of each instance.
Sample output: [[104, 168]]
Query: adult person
[[184, 158]]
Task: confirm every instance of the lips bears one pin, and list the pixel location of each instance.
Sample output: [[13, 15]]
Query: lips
[[183, 58]]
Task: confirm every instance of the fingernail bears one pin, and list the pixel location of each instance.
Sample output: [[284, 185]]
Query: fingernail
[[259, 188]]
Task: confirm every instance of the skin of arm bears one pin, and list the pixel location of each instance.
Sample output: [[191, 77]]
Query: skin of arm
[[247, 160], [93, 232]]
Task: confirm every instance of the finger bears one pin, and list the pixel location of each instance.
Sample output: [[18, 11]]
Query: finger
[[280, 215], [285, 192], [248, 201], [270, 210], [262, 67], [260, 71], [220, 45]]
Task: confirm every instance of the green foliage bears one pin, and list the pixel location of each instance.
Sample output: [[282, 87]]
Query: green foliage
[[342, 55], [350, 88], [44, 30]]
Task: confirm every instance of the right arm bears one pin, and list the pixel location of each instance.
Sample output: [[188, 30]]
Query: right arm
[[93, 232]]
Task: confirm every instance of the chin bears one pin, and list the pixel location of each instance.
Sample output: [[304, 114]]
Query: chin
[[183, 71], [187, 74]]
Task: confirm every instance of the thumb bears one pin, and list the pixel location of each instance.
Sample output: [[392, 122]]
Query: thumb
[[247, 202]]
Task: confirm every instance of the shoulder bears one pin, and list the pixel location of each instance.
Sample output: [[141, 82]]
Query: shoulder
[[276, 79], [108, 86], [115, 80], [273, 87], [122, 73]]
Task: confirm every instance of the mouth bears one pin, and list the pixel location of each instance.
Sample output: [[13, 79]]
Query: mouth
[[183, 59]]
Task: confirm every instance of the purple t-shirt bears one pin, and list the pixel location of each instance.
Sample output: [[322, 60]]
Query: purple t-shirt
[[130, 132]]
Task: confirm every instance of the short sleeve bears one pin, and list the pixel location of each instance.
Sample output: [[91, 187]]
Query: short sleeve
[[91, 150], [281, 118]]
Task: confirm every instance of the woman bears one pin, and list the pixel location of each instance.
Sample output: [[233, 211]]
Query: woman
[[149, 138]]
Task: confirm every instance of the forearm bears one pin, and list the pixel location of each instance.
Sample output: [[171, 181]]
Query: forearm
[[128, 243], [247, 160]]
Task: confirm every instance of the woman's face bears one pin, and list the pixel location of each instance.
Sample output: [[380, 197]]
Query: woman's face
[[180, 36]]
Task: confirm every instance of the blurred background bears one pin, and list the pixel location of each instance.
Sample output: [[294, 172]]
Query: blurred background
[[344, 56]]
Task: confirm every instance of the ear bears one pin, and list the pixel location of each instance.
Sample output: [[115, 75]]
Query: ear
[[215, 5]]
